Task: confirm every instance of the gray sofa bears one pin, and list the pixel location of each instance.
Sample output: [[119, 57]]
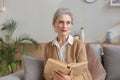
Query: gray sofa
[[108, 56], [15, 76]]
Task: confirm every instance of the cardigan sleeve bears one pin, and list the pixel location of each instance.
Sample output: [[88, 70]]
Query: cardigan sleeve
[[82, 57], [81, 52]]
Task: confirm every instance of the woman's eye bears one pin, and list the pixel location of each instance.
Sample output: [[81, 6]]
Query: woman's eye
[[68, 22], [62, 22]]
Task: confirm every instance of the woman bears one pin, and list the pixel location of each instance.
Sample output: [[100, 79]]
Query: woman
[[66, 48]]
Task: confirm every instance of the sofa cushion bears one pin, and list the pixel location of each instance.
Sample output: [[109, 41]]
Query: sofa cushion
[[33, 68], [94, 65], [10, 77], [19, 74], [111, 62]]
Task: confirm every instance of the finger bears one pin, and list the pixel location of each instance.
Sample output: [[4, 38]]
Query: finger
[[59, 73], [57, 76], [70, 73]]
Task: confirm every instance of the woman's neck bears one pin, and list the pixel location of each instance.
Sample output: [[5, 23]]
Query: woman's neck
[[61, 40]]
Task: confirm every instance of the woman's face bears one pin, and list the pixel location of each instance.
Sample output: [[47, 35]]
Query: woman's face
[[63, 25]]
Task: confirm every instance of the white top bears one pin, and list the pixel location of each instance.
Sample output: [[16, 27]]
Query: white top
[[62, 50]]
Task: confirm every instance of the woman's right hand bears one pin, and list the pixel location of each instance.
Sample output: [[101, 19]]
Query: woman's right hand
[[58, 75]]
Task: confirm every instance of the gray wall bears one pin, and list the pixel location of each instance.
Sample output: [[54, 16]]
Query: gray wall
[[34, 17]]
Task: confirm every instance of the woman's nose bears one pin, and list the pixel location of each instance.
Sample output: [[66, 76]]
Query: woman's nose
[[64, 25]]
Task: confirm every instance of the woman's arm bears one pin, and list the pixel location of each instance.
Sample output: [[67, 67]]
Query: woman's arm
[[81, 52]]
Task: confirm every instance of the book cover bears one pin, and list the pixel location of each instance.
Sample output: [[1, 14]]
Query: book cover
[[53, 65]]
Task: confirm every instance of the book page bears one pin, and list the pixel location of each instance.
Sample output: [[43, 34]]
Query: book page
[[77, 68]]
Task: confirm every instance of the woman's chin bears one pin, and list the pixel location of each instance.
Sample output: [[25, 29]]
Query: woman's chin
[[65, 34]]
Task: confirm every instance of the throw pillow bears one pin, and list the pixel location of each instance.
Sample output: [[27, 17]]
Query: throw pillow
[[33, 68], [94, 65], [97, 49], [111, 62]]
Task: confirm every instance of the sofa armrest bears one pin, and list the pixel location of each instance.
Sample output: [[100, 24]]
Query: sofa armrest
[[15, 76]]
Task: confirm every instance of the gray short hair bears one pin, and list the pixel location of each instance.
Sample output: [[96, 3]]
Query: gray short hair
[[62, 11]]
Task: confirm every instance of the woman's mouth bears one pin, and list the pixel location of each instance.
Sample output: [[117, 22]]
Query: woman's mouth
[[64, 30]]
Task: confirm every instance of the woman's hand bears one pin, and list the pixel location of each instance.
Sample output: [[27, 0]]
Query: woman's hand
[[58, 75]]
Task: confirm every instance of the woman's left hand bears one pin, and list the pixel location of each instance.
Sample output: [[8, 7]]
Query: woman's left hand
[[58, 75]]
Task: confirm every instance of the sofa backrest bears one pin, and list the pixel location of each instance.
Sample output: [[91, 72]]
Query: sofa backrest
[[38, 52]]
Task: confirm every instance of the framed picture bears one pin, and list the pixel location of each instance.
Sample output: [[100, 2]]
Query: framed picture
[[115, 2]]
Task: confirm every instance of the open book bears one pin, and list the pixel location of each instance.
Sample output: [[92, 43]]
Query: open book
[[52, 65]]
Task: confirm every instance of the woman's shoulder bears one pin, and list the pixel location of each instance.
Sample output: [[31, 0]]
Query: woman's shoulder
[[78, 42], [48, 44]]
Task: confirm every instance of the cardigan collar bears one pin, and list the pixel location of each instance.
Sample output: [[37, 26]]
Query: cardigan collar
[[69, 41]]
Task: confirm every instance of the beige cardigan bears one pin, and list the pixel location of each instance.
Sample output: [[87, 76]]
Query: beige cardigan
[[75, 53]]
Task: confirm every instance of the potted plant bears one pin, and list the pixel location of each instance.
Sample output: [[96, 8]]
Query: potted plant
[[9, 47]]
